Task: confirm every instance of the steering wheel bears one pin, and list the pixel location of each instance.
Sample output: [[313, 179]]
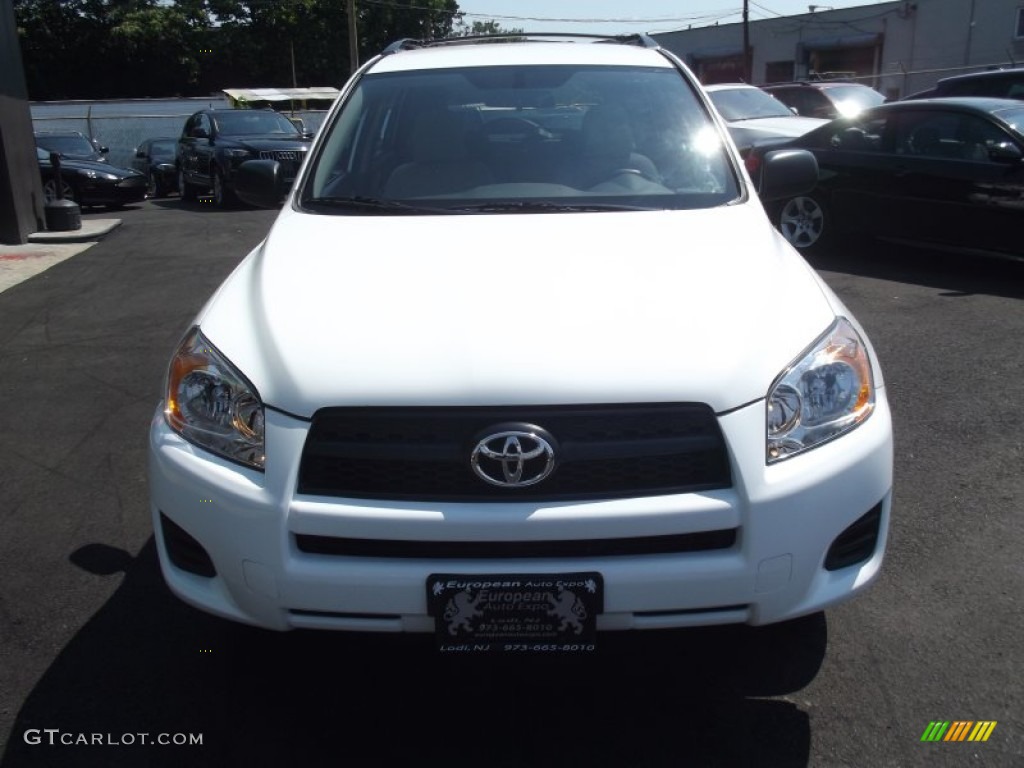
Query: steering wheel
[[516, 128]]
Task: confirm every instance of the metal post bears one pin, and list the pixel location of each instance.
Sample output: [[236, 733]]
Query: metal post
[[746, 41], [21, 187], [353, 40]]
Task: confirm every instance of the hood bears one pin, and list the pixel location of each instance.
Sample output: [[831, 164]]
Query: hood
[[70, 164], [789, 127], [263, 142], [660, 306]]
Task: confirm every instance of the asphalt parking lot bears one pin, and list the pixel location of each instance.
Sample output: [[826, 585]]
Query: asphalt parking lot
[[91, 642]]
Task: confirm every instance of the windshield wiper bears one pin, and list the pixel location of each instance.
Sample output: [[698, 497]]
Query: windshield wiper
[[370, 205], [542, 206]]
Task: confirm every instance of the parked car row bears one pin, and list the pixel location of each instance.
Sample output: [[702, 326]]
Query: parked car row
[[203, 160], [89, 182], [945, 172], [935, 169]]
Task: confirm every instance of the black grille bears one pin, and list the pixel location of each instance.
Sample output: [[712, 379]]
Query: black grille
[[857, 543], [184, 551], [702, 541], [601, 451], [281, 155]]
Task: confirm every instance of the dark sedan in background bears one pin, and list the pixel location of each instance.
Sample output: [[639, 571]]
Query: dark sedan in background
[[89, 183], [156, 159], [215, 142], [73, 145], [947, 173], [996, 83]]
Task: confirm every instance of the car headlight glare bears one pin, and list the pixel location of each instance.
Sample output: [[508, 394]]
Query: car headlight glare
[[210, 403], [236, 153], [829, 390]]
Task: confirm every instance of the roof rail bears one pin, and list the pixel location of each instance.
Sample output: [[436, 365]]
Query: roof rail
[[409, 43]]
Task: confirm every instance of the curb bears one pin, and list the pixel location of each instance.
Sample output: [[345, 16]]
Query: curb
[[91, 229]]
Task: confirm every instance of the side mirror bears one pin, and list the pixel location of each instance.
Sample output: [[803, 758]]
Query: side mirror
[[787, 173], [141, 154], [200, 133], [259, 183], [104, 150]]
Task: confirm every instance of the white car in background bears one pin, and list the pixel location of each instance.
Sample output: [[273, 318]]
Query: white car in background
[[755, 116], [521, 360]]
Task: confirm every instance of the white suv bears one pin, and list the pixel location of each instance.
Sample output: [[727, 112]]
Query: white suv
[[521, 360]]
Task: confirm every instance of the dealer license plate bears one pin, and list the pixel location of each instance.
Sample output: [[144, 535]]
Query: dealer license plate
[[515, 613]]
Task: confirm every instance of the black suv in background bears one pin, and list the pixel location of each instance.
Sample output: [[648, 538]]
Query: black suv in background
[[215, 142], [825, 99], [997, 83]]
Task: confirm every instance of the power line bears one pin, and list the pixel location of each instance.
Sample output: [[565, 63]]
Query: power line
[[697, 16]]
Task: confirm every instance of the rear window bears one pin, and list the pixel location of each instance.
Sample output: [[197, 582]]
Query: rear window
[[528, 137]]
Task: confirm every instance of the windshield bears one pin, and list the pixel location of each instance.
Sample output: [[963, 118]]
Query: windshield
[[520, 138], [72, 146], [163, 149], [1014, 117], [747, 104], [851, 100], [251, 123]]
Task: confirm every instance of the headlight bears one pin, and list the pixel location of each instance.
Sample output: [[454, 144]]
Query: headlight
[[826, 392], [99, 175], [211, 404], [237, 153]]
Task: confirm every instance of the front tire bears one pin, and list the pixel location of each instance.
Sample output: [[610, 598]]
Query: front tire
[[188, 192], [50, 191], [805, 223], [223, 197]]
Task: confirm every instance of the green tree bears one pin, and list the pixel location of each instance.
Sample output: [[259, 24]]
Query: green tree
[[119, 48], [490, 27]]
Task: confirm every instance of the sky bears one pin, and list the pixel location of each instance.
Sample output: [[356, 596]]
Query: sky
[[623, 16]]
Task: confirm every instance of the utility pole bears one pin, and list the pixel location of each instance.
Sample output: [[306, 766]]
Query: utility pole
[[353, 40], [746, 41]]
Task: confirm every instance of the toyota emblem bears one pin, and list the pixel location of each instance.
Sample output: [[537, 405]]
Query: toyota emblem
[[513, 459]]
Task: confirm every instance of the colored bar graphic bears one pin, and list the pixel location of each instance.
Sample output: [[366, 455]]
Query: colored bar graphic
[[982, 730], [958, 730]]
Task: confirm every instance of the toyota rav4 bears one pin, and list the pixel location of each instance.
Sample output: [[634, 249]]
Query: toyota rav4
[[522, 360]]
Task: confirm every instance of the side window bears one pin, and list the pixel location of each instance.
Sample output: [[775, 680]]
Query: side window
[[860, 136], [948, 136], [204, 123], [818, 105], [794, 98], [189, 125]]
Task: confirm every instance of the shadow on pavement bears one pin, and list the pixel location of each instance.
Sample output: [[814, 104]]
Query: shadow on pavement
[[954, 274], [147, 664]]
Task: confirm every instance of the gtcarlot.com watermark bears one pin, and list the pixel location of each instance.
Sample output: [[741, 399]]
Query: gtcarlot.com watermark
[[54, 737]]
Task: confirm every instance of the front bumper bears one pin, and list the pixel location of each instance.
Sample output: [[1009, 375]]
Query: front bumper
[[102, 192], [788, 519]]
